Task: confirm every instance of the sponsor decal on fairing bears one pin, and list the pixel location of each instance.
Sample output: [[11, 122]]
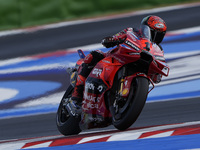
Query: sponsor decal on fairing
[[132, 45], [97, 72]]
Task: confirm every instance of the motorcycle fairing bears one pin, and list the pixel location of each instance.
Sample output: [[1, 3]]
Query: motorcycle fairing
[[159, 67], [137, 52], [95, 112]]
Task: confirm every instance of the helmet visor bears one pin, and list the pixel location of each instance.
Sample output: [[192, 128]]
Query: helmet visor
[[157, 36]]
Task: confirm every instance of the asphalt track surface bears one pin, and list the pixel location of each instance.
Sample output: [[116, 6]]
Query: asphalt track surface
[[158, 113]]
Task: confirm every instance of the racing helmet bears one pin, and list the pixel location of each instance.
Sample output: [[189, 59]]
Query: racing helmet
[[157, 27]]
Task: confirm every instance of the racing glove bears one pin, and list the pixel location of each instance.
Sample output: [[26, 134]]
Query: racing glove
[[111, 41]]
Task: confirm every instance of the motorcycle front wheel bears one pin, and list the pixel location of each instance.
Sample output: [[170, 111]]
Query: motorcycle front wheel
[[66, 124], [126, 113]]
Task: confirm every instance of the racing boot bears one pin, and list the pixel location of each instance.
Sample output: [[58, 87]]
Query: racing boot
[[74, 103]]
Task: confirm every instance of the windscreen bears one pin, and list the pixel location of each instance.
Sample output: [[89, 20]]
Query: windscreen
[[146, 32]]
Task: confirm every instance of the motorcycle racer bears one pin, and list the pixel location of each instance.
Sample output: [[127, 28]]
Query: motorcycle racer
[[158, 29]]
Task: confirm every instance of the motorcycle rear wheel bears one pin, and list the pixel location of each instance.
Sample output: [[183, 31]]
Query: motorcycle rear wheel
[[134, 104], [66, 124]]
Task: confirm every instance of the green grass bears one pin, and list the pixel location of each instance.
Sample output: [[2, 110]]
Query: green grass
[[25, 13]]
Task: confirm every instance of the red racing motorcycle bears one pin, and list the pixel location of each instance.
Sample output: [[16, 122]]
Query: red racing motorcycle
[[116, 89]]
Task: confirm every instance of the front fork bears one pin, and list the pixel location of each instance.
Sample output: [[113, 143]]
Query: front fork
[[122, 81], [124, 88], [119, 100]]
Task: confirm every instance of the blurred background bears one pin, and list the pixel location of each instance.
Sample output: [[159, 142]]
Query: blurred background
[[39, 39], [25, 13]]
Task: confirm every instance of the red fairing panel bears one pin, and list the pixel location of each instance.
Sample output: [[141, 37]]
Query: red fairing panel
[[102, 75]]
